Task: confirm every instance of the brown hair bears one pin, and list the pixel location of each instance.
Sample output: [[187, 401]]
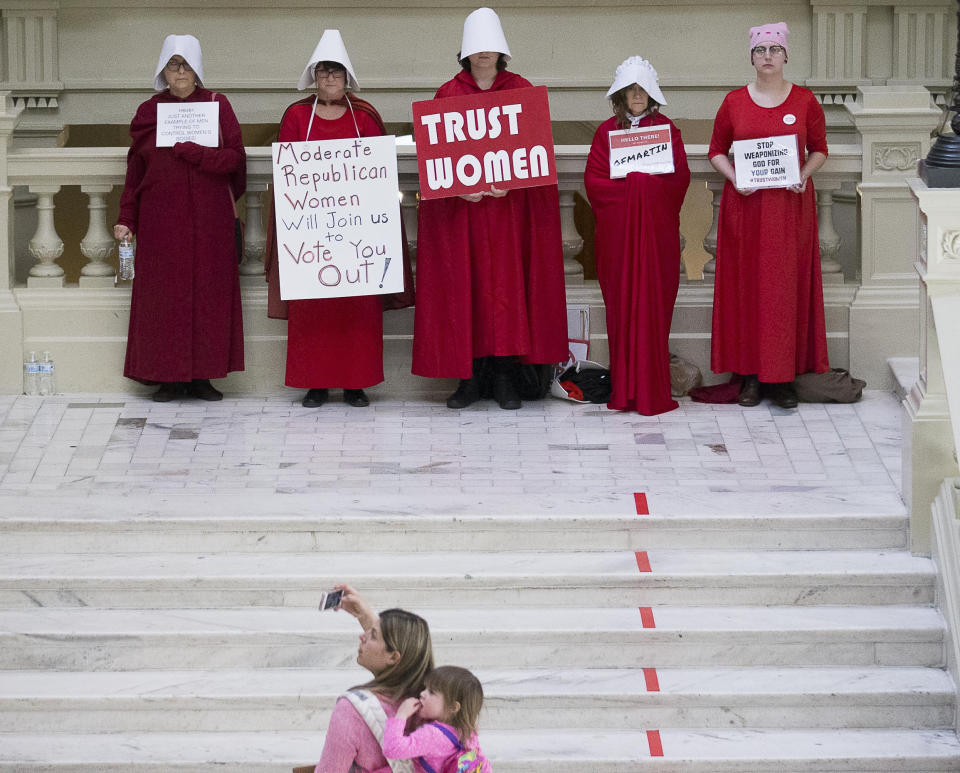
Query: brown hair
[[465, 62], [619, 101], [457, 685], [408, 634]]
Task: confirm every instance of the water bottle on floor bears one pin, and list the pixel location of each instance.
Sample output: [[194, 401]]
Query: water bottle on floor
[[31, 375], [48, 382]]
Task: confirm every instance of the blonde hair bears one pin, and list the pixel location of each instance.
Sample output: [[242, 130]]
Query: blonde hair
[[408, 634], [457, 685]]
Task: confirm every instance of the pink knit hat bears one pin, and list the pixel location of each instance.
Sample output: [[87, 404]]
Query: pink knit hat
[[776, 33]]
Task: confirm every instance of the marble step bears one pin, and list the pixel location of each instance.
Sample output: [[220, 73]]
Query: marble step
[[297, 523], [561, 750], [301, 699], [90, 639], [609, 578]]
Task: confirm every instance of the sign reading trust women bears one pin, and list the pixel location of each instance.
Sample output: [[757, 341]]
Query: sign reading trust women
[[768, 162], [468, 144], [337, 208]]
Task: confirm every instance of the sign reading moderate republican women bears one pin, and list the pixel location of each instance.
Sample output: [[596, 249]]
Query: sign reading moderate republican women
[[337, 209], [497, 139]]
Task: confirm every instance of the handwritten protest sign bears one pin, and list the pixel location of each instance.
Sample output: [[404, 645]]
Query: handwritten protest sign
[[337, 209], [768, 162], [469, 144], [641, 150], [188, 122]]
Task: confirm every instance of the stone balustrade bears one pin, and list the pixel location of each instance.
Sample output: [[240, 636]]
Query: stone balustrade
[[98, 170]]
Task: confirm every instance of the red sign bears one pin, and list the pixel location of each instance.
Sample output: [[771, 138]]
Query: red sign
[[496, 139]]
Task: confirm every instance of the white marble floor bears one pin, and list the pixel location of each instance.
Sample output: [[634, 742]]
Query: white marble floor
[[714, 456]]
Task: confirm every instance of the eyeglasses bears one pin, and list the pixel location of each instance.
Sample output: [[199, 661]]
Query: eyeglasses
[[323, 74], [173, 66], [774, 50]]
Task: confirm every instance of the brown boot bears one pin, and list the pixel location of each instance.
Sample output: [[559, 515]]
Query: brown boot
[[749, 392]]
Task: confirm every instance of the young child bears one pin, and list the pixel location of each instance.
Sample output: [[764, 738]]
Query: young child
[[448, 707]]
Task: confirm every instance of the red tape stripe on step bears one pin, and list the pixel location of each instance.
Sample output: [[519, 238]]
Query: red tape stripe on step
[[650, 676], [643, 561], [646, 617], [641, 501], [653, 740]]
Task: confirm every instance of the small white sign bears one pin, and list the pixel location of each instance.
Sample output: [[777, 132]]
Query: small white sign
[[337, 208], [768, 162], [188, 122], [648, 150]]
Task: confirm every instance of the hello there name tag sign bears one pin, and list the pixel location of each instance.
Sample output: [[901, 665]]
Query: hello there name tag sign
[[648, 150]]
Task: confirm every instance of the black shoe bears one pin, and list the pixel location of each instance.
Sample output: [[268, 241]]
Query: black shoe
[[505, 393], [467, 394], [749, 392], [355, 398], [168, 391], [315, 398], [202, 389], [783, 394]]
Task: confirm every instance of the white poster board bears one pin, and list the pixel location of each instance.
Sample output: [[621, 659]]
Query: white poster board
[[647, 150], [337, 208], [188, 122], [767, 162]]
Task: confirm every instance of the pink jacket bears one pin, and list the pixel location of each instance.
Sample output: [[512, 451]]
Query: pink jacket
[[427, 741], [349, 741]]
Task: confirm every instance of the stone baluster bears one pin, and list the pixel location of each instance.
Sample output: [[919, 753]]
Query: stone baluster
[[408, 212], [98, 243], [572, 241], [254, 236], [829, 238], [710, 240], [46, 245]]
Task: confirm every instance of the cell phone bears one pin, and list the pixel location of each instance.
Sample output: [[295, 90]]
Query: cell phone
[[330, 599]]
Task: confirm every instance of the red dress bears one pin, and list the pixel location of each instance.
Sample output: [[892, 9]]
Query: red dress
[[489, 274], [185, 312], [638, 264], [768, 299], [332, 342]]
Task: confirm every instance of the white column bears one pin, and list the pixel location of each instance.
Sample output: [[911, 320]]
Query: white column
[[254, 236], [98, 242], [894, 123], [46, 245]]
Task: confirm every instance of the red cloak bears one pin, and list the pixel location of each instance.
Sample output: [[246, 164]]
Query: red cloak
[[331, 342], [638, 264], [489, 274], [768, 298], [185, 311]]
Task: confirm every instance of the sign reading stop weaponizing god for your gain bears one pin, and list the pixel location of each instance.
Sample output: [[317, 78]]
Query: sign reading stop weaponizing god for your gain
[[768, 162], [337, 210], [496, 139]]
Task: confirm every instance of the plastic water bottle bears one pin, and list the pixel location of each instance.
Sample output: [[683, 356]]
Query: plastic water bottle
[[31, 375], [125, 252], [48, 382]]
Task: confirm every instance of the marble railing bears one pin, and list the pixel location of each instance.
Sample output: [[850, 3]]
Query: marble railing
[[96, 171]]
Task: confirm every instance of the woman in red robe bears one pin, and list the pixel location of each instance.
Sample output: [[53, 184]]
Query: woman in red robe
[[489, 266], [768, 323], [637, 246], [185, 314], [331, 342]]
